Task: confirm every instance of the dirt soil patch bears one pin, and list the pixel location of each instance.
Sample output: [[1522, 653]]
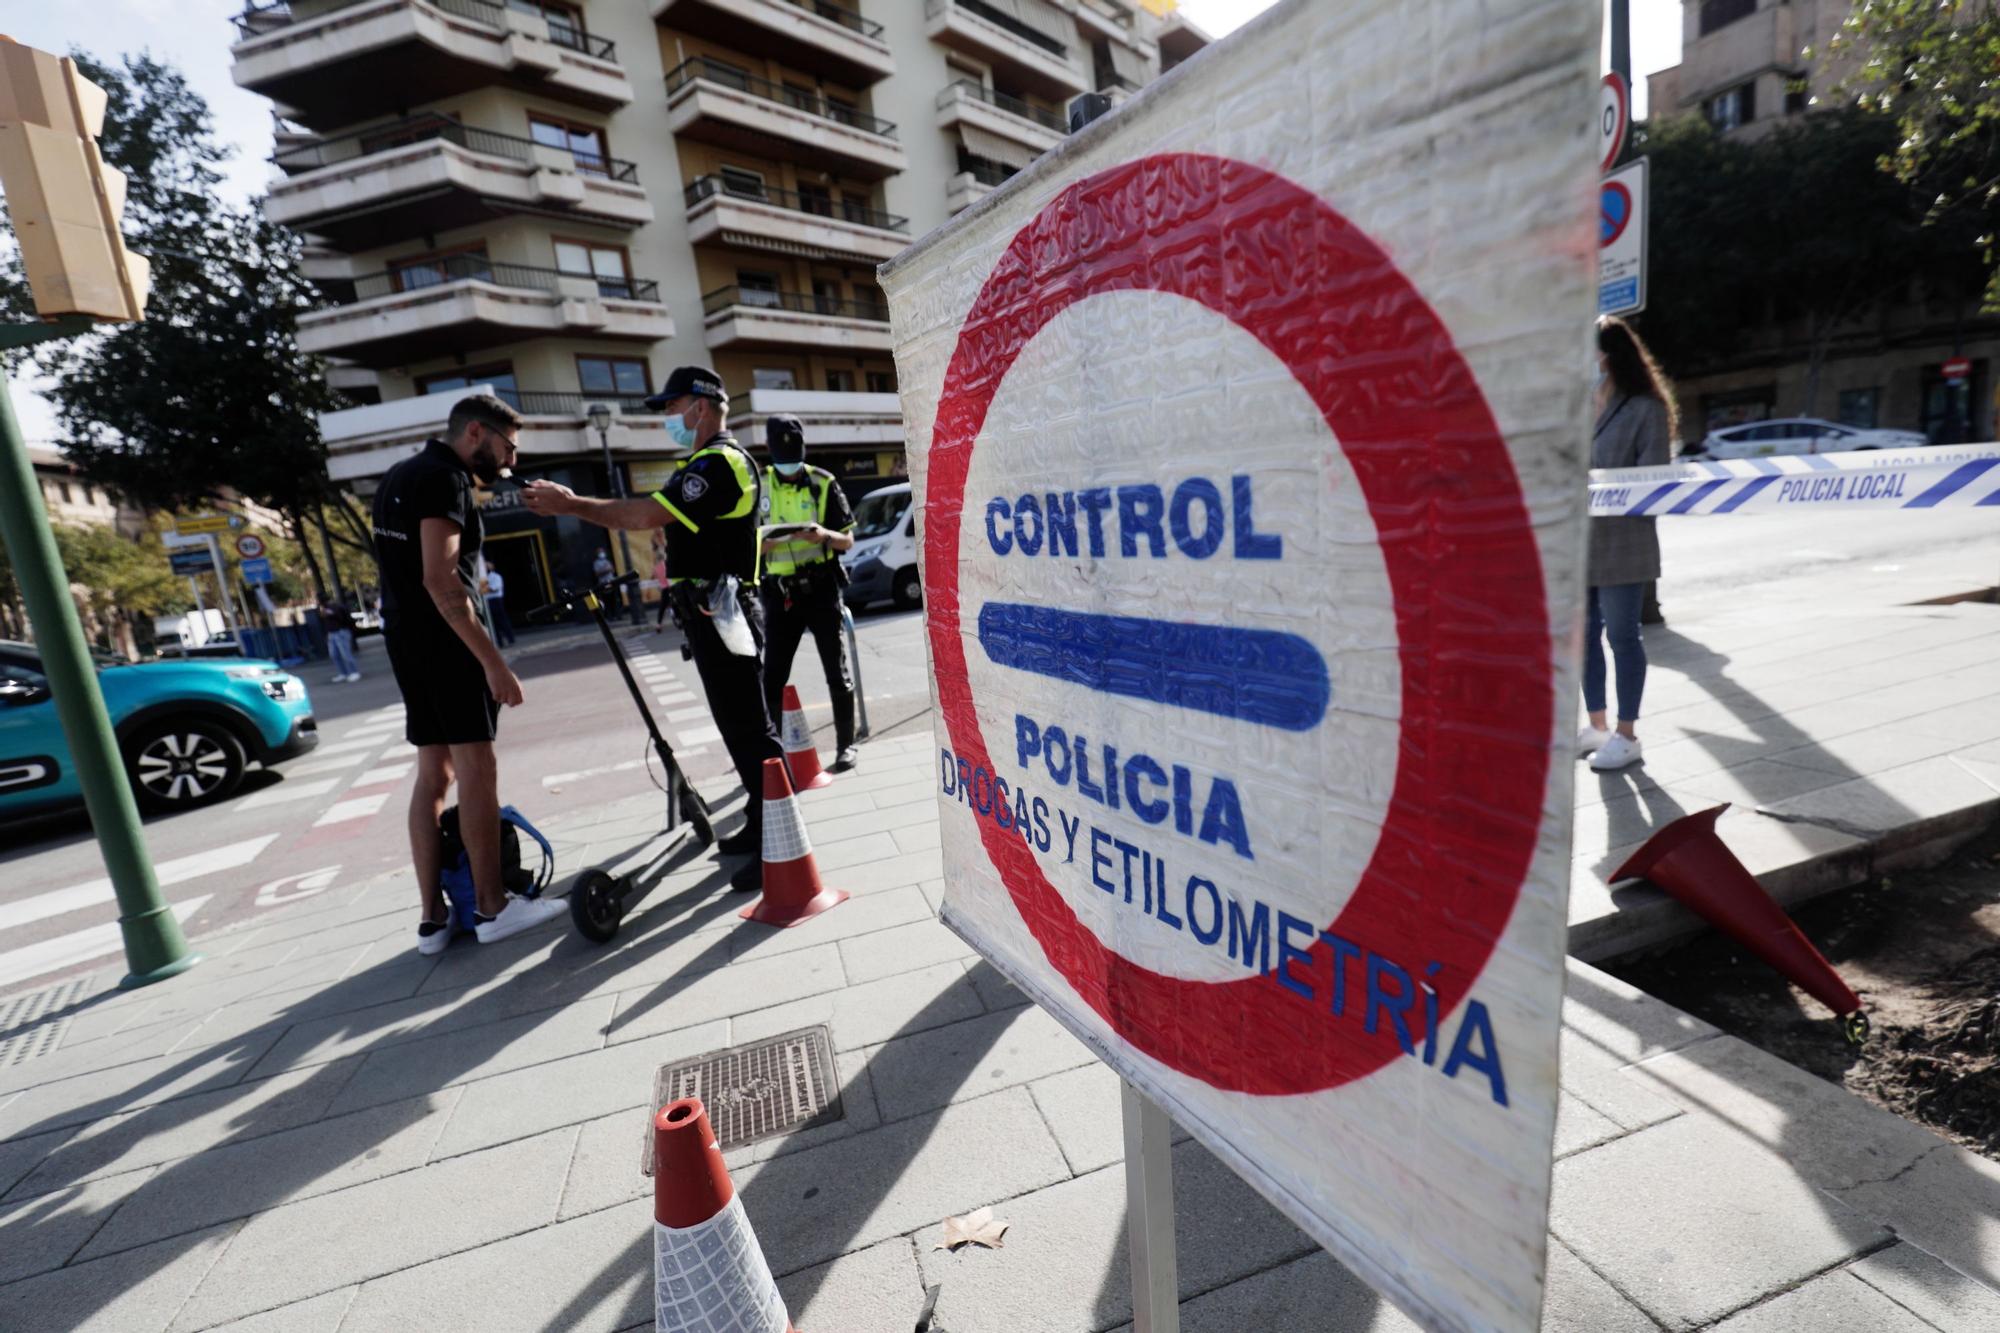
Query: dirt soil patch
[[1923, 952]]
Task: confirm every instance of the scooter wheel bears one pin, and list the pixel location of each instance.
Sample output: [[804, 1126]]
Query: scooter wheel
[[596, 906]]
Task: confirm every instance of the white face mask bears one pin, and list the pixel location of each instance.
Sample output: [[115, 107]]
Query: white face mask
[[680, 429], [789, 469]]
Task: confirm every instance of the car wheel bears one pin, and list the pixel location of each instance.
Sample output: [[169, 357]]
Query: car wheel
[[184, 763], [908, 590]]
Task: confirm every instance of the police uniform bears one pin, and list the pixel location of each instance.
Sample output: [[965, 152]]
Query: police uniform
[[803, 580], [715, 498]]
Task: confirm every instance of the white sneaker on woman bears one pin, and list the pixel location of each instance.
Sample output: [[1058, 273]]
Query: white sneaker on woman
[[1620, 751], [1589, 738]]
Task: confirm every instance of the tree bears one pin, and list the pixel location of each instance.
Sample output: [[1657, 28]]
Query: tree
[[1932, 66], [115, 579], [210, 395], [1800, 230]]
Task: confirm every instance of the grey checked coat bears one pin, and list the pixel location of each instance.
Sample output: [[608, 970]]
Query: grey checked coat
[[1631, 432]]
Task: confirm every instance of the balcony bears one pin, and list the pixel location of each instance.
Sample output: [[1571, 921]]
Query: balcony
[[974, 181], [1745, 43], [336, 62], [427, 175], [806, 34], [993, 125], [746, 317], [715, 103], [784, 222], [365, 442], [1036, 56], [830, 417], [466, 302]]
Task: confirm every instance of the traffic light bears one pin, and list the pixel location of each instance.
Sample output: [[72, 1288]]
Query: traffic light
[[64, 201]]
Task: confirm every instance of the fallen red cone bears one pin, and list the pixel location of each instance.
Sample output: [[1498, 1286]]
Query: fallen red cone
[[1689, 862], [801, 755], [708, 1270], [792, 891]]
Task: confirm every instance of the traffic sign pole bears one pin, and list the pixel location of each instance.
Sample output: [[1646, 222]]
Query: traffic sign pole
[[222, 585], [1149, 1214], [154, 946]]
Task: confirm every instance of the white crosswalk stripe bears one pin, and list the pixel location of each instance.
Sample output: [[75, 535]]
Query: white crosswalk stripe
[[360, 807], [687, 740], [559, 779], [56, 903], [332, 764], [375, 777], [688, 714], [76, 947], [284, 793]]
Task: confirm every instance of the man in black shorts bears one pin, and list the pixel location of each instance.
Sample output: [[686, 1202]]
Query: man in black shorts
[[453, 678]]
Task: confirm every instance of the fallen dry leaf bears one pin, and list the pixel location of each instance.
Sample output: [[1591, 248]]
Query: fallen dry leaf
[[975, 1228]]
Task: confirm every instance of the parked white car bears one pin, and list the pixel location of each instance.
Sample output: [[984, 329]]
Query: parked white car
[[882, 563], [1798, 435]]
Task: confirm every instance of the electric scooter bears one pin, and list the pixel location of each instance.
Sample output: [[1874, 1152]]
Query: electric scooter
[[599, 900]]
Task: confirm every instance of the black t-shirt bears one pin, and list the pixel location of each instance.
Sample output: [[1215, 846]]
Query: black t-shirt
[[717, 497], [434, 484]]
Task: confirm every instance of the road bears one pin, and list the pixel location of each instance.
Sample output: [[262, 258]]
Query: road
[[336, 817]]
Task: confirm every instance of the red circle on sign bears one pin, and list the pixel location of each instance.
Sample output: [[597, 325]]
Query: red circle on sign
[[1614, 139], [1466, 576]]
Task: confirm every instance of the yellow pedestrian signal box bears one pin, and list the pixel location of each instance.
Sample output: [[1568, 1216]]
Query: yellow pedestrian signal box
[[64, 201]]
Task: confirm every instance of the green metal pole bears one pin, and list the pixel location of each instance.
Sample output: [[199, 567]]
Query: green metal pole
[[154, 946]]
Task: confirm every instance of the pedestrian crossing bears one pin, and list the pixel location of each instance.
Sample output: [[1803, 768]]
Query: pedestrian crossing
[[675, 706]]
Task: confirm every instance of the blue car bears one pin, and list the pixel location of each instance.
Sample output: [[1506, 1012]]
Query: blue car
[[188, 729]]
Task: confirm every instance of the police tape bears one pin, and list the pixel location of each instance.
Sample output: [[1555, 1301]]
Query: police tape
[[1960, 476]]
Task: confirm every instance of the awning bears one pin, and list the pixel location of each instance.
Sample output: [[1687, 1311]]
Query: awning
[[1042, 16], [992, 147], [1127, 64]]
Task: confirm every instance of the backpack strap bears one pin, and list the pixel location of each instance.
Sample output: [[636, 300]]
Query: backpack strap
[[508, 814]]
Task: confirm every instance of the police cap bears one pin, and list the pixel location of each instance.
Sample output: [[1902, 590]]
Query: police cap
[[785, 437], [699, 381]]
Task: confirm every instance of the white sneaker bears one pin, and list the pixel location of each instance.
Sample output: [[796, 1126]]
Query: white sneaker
[[518, 915], [1589, 738], [352, 676], [432, 936], [1617, 752]]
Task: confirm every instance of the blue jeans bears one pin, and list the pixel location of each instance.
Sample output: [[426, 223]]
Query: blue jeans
[[1614, 615], [340, 643]]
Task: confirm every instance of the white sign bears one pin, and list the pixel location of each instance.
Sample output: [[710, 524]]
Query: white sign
[[1621, 241], [1614, 117], [1246, 426]]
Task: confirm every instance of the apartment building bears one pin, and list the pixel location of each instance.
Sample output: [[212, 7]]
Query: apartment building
[[564, 199], [1745, 69]]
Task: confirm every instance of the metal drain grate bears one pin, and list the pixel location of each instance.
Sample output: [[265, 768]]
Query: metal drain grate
[[33, 1022], [751, 1092]]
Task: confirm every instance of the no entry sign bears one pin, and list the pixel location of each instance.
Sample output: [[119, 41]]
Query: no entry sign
[[1247, 430]]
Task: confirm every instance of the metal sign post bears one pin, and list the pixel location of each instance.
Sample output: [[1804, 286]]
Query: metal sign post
[[1149, 1214], [222, 585], [854, 660]]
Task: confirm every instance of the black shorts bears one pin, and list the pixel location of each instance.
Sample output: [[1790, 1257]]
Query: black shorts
[[445, 699]]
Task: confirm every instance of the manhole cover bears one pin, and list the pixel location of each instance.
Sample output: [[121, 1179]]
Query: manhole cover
[[754, 1091], [33, 1022]]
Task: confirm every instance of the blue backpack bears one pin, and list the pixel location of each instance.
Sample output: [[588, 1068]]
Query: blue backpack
[[519, 880]]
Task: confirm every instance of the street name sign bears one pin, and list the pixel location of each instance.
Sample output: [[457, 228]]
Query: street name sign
[[1248, 431], [195, 561], [192, 525], [1621, 241]]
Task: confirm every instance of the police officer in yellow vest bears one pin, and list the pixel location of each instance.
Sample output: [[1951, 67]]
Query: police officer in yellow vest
[[803, 576], [710, 509]]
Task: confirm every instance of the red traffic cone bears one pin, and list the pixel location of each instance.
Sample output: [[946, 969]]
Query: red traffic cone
[[792, 891], [801, 755], [708, 1270], [1690, 863]]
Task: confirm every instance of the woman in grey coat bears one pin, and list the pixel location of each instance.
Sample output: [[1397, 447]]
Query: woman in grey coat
[[1636, 423]]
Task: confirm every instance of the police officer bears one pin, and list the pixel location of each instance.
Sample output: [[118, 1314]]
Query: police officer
[[709, 508], [803, 576]]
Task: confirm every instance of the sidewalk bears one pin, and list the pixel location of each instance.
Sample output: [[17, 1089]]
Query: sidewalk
[[317, 1129]]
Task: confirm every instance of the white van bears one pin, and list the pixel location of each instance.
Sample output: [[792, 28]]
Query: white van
[[882, 563]]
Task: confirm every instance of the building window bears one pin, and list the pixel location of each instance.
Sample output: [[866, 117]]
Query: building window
[[625, 375], [816, 199], [500, 375], [1795, 97], [759, 289], [410, 275], [840, 381], [1737, 107], [773, 377], [1860, 407], [739, 181], [881, 381], [1721, 13], [826, 296], [584, 143], [62, 488], [606, 263]]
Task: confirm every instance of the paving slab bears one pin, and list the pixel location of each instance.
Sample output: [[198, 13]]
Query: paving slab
[[902, 949], [863, 914], [809, 1207], [1836, 1303], [605, 1169], [1930, 1289], [139, 1289], [931, 1069], [320, 1314], [879, 1288], [45, 1232], [455, 1058], [1580, 1126], [1948, 1203], [1315, 1287], [1693, 1255], [128, 1087], [590, 1274], [873, 1012], [755, 983], [242, 1179], [283, 1255]]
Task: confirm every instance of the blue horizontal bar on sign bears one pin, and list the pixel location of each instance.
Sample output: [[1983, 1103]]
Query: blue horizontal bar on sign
[[1263, 676]]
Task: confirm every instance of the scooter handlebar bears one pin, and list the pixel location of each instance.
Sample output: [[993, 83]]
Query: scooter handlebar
[[566, 602]]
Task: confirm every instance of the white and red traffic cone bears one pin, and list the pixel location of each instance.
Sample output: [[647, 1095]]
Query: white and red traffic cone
[[801, 755], [708, 1270], [792, 891]]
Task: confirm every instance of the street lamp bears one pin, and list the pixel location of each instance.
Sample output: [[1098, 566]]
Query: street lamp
[[600, 420]]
